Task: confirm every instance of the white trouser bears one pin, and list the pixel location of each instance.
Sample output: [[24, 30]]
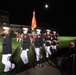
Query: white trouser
[[54, 47], [24, 56], [38, 54], [7, 63], [48, 52], [17, 39], [20, 39]]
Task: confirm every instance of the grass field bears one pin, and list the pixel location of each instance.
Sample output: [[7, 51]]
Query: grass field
[[63, 43]]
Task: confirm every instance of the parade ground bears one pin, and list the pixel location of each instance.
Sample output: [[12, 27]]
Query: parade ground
[[31, 69], [46, 70], [37, 37]]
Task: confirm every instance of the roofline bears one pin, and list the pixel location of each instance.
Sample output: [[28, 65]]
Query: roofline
[[18, 25], [4, 11]]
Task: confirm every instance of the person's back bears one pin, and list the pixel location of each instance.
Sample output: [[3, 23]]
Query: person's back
[[72, 48]]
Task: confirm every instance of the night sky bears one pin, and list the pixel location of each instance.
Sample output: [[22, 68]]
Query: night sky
[[59, 14]]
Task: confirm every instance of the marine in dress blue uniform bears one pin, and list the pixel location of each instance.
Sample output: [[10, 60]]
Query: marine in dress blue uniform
[[38, 43], [7, 50], [25, 46], [48, 43], [55, 41]]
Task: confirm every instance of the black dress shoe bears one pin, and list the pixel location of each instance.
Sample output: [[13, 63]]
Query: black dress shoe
[[41, 65], [38, 65]]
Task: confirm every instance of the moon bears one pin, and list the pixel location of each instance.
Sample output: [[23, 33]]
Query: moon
[[46, 5]]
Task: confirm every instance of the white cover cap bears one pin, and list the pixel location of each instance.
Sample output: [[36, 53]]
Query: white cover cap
[[48, 30], [6, 28], [54, 32], [38, 30], [25, 29]]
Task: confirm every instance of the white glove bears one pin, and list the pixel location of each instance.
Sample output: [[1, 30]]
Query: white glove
[[44, 44], [21, 48], [27, 49], [40, 47]]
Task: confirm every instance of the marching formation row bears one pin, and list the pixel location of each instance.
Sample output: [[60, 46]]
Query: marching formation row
[[49, 40]]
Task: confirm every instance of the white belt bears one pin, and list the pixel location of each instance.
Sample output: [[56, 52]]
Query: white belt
[[48, 41], [54, 40]]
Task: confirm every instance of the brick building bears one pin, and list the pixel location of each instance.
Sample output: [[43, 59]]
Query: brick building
[[4, 19]]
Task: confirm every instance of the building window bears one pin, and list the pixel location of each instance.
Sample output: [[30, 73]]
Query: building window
[[2, 18], [5, 18]]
